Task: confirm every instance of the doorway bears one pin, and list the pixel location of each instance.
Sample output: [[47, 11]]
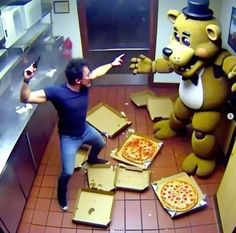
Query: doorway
[[110, 28]]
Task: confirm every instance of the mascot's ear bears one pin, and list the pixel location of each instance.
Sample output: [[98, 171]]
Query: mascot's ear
[[172, 15], [213, 32]]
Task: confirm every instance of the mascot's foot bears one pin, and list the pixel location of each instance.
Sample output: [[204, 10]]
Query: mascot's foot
[[201, 167], [162, 130]]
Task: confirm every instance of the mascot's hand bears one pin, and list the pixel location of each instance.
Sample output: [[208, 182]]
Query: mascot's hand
[[232, 75], [142, 64], [162, 130]]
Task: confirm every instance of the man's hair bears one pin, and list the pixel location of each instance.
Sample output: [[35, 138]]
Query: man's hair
[[74, 69]]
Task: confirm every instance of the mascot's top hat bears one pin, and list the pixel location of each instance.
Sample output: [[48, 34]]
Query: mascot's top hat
[[198, 9]]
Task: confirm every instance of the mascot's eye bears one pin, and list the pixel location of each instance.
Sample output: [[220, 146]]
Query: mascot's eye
[[176, 36], [186, 41]]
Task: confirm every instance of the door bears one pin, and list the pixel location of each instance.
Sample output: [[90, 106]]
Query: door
[[226, 195], [110, 28]]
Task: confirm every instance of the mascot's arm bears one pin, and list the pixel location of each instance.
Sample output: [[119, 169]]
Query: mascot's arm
[[229, 67], [144, 65]]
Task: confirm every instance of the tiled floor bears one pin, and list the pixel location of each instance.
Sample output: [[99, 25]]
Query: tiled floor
[[134, 212]]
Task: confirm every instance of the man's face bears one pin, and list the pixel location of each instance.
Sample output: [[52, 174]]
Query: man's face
[[86, 81]]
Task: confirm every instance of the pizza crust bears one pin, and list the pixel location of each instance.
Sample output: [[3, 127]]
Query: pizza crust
[[178, 195]]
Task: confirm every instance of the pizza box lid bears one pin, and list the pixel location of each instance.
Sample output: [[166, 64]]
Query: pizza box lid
[[101, 177], [159, 107], [140, 98], [156, 185], [116, 153], [82, 155], [93, 207], [132, 178], [107, 120]]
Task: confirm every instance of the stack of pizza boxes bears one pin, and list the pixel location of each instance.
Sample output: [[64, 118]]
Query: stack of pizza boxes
[[179, 194]]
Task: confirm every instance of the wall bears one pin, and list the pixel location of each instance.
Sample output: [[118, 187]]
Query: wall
[[225, 20], [222, 11], [67, 25]]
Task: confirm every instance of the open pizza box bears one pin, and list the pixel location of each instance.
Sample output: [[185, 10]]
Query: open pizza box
[[117, 153], [101, 177], [82, 155], [107, 120], [132, 178], [159, 107], [157, 186], [93, 207], [109, 177], [140, 98]]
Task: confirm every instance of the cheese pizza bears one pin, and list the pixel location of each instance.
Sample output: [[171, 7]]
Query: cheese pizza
[[139, 149], [178, 195]]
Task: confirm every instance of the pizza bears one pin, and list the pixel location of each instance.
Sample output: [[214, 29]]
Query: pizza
[[139, 149], [178, 195]]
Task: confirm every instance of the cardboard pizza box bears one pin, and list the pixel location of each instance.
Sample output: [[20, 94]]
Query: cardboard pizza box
[[140, 98], [116, 153], [132, 178], [93, 207], [101, 177], [107, 120], [108, 177], [183, 175], [82, 155], [159, 107]]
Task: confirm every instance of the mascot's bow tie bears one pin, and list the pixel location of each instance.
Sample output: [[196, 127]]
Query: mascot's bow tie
[[194, 79]]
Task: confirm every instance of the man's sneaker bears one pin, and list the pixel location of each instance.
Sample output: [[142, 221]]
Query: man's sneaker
[[62, 201], [63, 208], [97, 161]]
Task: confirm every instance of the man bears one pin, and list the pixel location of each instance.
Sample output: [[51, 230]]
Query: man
[[71, 102]]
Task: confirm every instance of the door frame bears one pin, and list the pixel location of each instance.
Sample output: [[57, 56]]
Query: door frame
[[153, 31]]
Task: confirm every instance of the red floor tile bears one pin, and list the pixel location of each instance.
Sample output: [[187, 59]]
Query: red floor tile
[[206, 229], [132, 215], [36, 229], [184, 230], [55, 219], [148, 194], [182, 222], [53, 169], [67, 221], [24, 227], [149, 214], [27, 216], [64, 230], [49, 181], [31, 202], [117, 223], [52, 230], [34, 191], [203, 217], [40, 217], [132, 195], [43, 204], [164, 219], [45, 192]]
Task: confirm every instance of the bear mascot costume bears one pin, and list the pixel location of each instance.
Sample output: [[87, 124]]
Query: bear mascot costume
[[206, 70]]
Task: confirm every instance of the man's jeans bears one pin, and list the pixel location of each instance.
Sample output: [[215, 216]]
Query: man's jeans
[[69, 147]]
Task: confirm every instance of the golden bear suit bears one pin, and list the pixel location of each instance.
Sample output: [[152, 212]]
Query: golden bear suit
[[206, 71]]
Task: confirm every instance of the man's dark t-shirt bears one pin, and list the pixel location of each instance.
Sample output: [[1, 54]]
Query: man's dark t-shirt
[[71, 107]]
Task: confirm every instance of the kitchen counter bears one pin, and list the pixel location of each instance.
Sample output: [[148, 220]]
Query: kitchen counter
[[14, 114]]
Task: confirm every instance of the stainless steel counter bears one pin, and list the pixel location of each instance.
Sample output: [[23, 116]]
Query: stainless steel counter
[[12, 124]]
